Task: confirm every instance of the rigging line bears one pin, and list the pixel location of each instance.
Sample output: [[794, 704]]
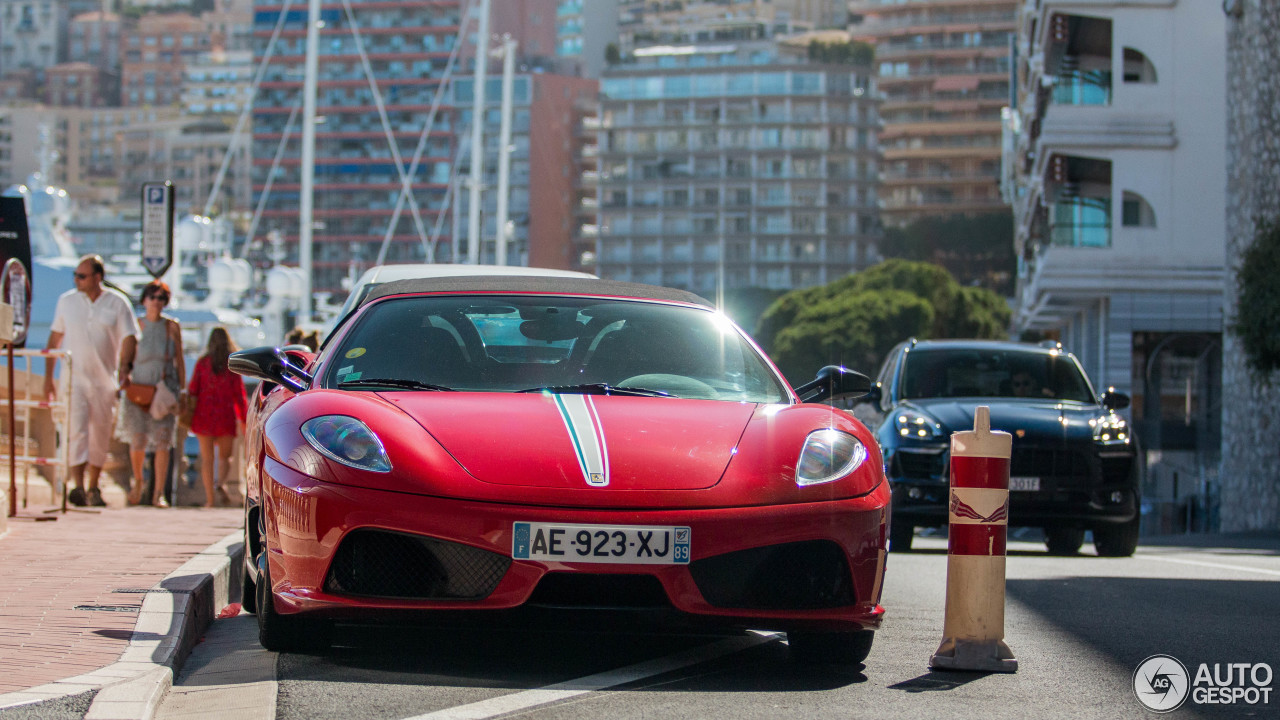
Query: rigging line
[[271, 174], [439, 218], [453, 174], [446, 80], [392, 143], [248, 108]]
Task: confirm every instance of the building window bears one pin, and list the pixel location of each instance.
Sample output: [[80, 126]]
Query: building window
[[1136, 211], [1082, 222], [1138, 68]]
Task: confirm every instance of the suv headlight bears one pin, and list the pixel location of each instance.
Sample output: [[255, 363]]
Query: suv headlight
[[1110, 430], [828, 455], [348, 441], [916, 426]]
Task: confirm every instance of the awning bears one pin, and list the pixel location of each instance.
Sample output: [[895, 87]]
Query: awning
[[955, 83]]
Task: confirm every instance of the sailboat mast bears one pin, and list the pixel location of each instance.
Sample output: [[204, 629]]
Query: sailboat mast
[[504, 148], [477, 135], [307, 190]]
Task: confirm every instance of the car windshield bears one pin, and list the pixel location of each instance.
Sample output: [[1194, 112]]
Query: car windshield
[[983, 372], [537, 343]]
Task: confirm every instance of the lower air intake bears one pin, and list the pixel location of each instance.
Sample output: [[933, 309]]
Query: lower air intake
[[377, 563], [807, 575]]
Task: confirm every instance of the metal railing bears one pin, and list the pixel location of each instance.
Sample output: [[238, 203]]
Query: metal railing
[[29, 404]]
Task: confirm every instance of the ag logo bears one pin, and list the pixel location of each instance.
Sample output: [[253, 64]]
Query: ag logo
[[1161, 683]]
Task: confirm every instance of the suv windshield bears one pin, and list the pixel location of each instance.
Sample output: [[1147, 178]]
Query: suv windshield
[[561, 344], [984, 372]]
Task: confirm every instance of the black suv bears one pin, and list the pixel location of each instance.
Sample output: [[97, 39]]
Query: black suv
[[1074, 461]]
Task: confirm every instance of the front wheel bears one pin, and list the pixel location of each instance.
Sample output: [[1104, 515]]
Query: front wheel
[[285, 633], [1119, 540], [830, 647]]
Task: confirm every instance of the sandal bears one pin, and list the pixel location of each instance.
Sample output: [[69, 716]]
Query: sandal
[[160, 502]]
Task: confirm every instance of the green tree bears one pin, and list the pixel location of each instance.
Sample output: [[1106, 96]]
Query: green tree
[[1257, 320], [857, 319], [976, 250]]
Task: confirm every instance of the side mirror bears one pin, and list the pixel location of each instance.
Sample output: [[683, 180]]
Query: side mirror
[[834, 381], [1113, 400], [270, 364]]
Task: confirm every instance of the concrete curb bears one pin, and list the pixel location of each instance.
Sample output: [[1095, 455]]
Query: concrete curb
[[174, 615]]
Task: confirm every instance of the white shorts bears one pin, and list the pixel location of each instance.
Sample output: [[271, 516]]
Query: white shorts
[[92, 414]]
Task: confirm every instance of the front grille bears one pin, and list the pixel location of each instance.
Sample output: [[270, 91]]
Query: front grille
[[587, 590], [378, 563], [1050, 463], [795, 576], [918, 465]]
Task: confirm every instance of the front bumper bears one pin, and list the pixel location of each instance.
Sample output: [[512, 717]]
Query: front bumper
[[307, 522], [1077, 488]]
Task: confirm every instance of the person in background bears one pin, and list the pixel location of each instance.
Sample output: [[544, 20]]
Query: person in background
[[308, 339], [92, 322], [151, 358], [220, 408]]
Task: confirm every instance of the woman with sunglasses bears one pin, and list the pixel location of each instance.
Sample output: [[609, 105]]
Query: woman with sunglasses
[[153, 358]]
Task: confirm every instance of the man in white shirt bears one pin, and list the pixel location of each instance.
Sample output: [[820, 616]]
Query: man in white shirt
[[91, 321]]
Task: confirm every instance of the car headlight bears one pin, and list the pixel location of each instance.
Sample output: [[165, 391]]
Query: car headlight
[[828, 455], [916, 426], [348, 441], [1110, 430]]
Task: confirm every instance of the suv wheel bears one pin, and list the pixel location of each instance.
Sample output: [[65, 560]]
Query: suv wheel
[[1063, 541], [1119, 540]]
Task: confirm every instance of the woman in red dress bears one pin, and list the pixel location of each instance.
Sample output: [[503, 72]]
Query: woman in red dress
[[220, 407]]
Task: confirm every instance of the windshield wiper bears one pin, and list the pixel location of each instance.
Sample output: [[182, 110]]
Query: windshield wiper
[[392, 382], [598, 389]]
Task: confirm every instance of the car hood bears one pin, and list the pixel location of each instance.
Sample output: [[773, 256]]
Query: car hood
[[1031, 420], [578, 441]]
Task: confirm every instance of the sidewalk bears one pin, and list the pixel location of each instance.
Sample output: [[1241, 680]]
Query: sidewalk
[[72, 592]]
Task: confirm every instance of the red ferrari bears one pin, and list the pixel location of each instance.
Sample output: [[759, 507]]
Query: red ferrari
[[488, 446]]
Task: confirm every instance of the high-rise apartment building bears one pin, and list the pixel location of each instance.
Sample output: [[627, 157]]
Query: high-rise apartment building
[[584, 28], [34, 37], [546, 166], [155, 54], [943, 68], [736, 163], [407, 45]]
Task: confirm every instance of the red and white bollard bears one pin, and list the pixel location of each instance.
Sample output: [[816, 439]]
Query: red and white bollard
[[973, 630]]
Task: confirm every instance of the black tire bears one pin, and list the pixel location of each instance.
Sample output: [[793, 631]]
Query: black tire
[[1063, 541], [1119, 540], [248, 592], [900, 536], [845, 648], [285, 633]]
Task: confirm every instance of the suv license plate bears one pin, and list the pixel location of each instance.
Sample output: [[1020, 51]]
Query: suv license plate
[[1024, 484], [621, 544]]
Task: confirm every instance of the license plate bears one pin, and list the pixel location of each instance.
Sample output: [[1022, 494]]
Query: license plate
[[1024, 483], [624, 544]]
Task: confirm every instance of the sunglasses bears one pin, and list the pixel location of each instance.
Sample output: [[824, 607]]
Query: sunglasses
[[81, 276], [159, 296]]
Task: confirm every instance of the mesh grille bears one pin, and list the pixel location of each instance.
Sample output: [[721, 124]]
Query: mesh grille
[[1045, 462], [384, 564], [795, 576]]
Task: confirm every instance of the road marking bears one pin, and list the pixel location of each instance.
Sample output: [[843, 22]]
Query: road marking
[[1220, 566], [591, 683]]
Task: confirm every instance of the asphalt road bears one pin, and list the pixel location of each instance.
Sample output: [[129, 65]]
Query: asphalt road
[[1078, 626]]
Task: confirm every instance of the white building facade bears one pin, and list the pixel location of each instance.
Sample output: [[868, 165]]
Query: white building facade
[[1115, 166]]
